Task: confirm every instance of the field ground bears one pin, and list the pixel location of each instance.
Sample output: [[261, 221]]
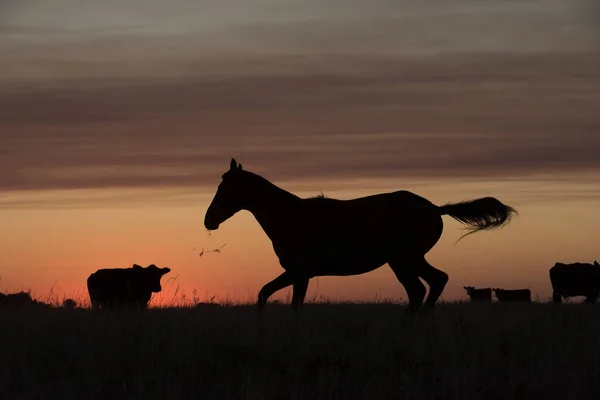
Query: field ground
[[328, 351]]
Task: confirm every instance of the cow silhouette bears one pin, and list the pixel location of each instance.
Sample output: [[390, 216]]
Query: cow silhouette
[[575, 279], [124, 287], [513, 295], [484, 294]]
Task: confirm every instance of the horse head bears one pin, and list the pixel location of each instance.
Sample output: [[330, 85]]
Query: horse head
[[229, 199]]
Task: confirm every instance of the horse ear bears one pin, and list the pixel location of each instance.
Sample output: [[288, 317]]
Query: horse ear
[[233, 165], [239, 167], [135, 266], [596, 263]]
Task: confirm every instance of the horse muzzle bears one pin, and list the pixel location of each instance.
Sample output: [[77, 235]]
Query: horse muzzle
[[211, 225]]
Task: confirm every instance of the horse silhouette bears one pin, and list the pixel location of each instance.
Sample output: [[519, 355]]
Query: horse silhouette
[[330, 237]]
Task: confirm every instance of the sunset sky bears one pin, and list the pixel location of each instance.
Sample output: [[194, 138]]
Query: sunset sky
[[117, 119]]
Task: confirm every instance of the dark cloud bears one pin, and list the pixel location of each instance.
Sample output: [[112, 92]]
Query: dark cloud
[[469, 115]]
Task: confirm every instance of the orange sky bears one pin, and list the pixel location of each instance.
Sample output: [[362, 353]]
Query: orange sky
[[64, 245], [117, 120]]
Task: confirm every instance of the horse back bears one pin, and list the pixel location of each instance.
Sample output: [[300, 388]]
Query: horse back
[[328, 228], [397, 201]]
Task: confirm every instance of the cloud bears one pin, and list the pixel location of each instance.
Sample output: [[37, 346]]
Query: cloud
[[133, 38], [150, 98], [448, 116]]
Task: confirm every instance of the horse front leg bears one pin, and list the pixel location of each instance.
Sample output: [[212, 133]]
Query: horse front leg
[[282, 281]]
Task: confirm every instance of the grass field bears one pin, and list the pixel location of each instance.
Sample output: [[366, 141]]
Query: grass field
[[328, 351]]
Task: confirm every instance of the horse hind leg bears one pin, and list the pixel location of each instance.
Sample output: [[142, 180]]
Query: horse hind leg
[[415, 289], [436, 280]]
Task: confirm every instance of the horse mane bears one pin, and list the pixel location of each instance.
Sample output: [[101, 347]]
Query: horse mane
[[320, 198], [267, 184]]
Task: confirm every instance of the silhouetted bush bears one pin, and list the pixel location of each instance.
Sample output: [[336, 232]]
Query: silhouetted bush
[[20, 300], [69, 303]]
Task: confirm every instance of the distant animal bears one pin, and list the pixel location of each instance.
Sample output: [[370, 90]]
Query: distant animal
[[484, 294], [15, 299], [19, 300], [118, 287], [513, 295], [575, 279], [330, 237]]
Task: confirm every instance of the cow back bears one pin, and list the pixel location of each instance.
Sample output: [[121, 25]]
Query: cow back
[[118, 285], [513, 295], [576, 279]]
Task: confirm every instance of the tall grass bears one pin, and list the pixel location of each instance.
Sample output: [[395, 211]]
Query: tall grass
[[173, 296], [327, 351]]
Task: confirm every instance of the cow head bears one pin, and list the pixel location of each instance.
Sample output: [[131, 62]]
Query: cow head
[[151, 275], [469, 289]]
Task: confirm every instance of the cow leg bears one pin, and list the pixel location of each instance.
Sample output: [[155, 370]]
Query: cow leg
[[556, 297], [142, 305], [591, 298]]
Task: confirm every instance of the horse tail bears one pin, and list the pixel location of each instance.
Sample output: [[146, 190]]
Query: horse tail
[[480, 214]]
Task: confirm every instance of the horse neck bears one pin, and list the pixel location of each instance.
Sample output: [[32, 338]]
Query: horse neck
[[271, 205]]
